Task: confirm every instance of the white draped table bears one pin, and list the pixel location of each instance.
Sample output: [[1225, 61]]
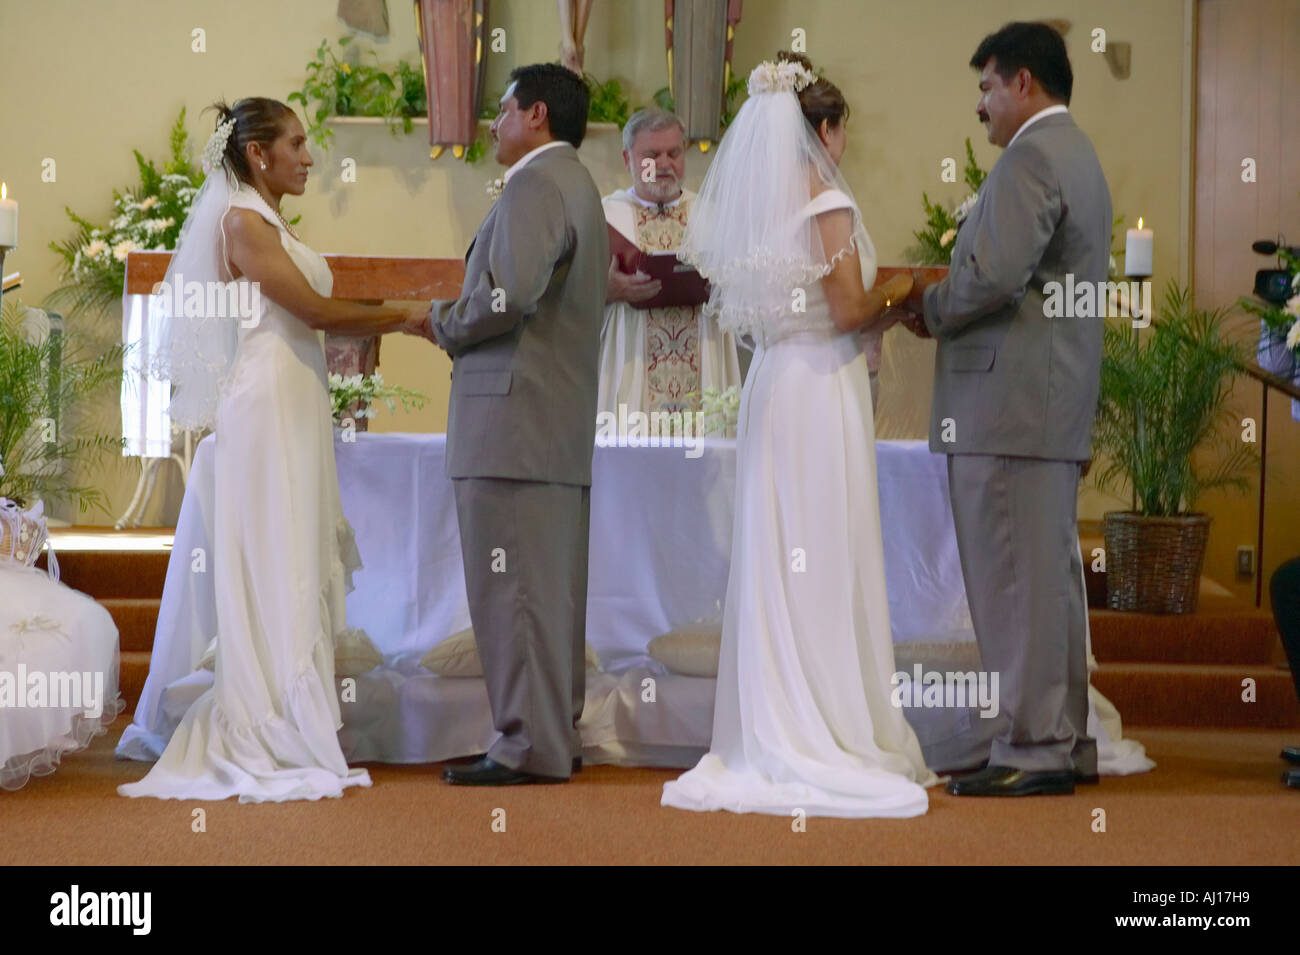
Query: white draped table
[[660, 544]]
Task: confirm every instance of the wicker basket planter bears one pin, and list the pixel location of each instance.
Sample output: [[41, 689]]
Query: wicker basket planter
[[1153, 564]]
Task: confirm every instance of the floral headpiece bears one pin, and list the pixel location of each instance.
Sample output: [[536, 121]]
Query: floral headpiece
[[215, 150], [784, 77]]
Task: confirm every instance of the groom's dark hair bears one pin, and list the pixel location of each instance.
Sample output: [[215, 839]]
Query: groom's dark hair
[[1032, 46], [564, 93]]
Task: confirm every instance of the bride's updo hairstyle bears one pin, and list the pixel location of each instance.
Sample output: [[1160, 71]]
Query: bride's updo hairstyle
[[257, 120], [819, 100]]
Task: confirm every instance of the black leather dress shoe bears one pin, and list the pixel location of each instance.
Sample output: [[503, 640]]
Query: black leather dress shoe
[[1291, 754], [1009, 781], [1087, 779], [488, 772], [577, 764], [1291, 778]]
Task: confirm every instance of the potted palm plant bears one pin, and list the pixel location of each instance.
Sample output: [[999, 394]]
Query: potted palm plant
[[1164, 430], [45, 380]]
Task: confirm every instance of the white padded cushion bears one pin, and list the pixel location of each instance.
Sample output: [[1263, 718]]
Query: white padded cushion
[[354, 654], [458, 656], [691, 650]]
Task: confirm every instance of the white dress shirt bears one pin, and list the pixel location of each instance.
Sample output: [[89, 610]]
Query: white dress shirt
[[1041, 114], [522, 160]]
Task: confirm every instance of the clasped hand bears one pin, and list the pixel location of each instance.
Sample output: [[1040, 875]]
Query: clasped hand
[[911, 308], [416, 318]]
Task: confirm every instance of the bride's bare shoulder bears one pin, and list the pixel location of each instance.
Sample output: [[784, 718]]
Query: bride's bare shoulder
[[248, 228]]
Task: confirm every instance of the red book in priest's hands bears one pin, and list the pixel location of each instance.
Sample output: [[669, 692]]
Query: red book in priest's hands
[[680, 284]]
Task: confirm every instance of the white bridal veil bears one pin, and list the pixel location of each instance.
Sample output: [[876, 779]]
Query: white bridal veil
[[750, 233], [198, 343]]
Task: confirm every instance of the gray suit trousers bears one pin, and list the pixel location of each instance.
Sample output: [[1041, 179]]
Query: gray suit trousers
[[1017, 536], [525, 550]]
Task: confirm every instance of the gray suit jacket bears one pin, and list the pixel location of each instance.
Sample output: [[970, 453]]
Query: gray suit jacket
[[524, 336], [1012, 381]]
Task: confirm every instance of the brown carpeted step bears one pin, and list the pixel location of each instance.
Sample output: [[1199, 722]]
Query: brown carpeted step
[[135, 667], [113, 573], [1214, 634], [136, 619], [1153, 694]]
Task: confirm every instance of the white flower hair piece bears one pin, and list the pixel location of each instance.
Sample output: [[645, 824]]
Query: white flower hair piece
[[215, 150], [784, 77]]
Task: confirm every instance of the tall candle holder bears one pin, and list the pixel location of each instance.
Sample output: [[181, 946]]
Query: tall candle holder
[[1145, 313], [4, 250]]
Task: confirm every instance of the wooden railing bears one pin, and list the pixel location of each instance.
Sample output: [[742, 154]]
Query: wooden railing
[[1267, 380], [401, 278]]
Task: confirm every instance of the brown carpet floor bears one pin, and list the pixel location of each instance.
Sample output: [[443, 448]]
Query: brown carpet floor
[[1215, 798]]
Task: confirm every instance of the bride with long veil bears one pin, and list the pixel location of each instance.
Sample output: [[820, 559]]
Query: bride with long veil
[[282, 552], [802, 718]]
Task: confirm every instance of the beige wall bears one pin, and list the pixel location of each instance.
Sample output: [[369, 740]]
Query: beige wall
[[85, 82], [1244, 110]]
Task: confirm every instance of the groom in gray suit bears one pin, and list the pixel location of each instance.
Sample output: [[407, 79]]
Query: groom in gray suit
[[524, 338], [1015, 392]]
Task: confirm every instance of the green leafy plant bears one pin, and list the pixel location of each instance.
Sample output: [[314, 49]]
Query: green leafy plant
[[935, 242], [1163, 403], [148, 216], [335, 86], [43, 379], [608, 103]]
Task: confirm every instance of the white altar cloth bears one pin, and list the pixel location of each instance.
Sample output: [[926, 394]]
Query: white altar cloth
[[659, 555]]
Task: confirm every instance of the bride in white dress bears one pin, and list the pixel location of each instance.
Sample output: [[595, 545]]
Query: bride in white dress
[[282, 552], [802, 718]]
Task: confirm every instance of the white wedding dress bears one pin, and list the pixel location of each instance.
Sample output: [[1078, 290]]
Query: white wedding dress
[[282, 561], [802, 718], [49, 629]]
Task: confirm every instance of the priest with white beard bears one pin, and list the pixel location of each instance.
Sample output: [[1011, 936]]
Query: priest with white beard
[[656, 359]]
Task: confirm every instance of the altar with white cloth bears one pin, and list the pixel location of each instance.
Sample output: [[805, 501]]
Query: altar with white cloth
[[659, 556]]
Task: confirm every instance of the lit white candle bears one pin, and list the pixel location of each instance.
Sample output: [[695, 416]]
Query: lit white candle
[[1139, 247], [8, 219]]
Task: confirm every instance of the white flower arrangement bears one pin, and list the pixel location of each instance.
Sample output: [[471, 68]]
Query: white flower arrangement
[[363, 391], [719, 413], [122, 248], [721, 410], [784, 77], [148, 215]]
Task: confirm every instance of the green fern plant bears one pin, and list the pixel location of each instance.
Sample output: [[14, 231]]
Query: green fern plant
[[1164, 405], [44, 384]]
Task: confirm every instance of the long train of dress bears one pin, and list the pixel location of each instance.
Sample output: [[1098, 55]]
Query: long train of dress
[[803, 718]]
